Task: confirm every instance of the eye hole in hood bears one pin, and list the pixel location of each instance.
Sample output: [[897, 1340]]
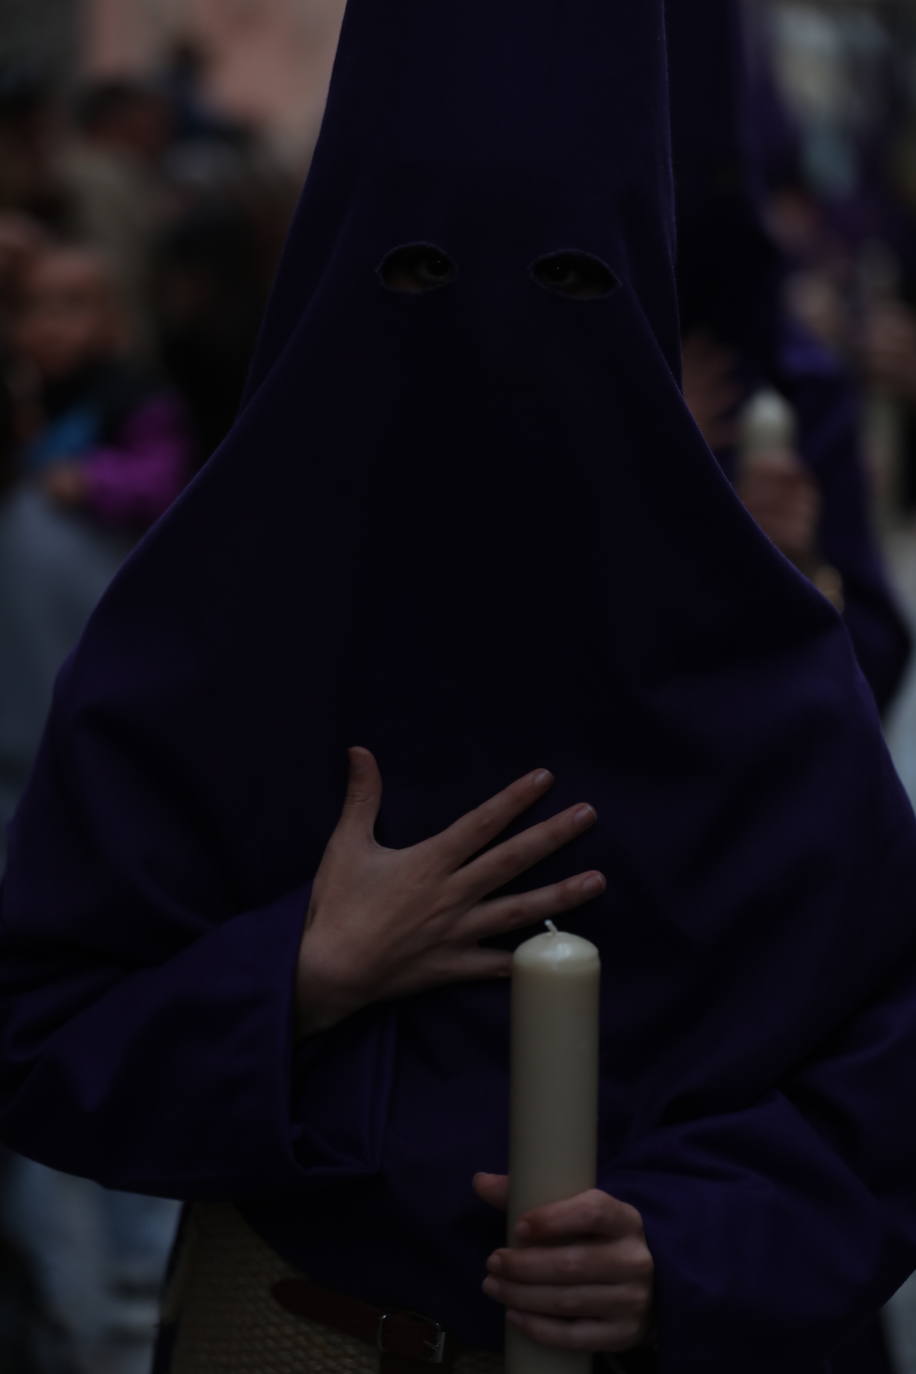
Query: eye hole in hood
[[416, 268], [581, 276]]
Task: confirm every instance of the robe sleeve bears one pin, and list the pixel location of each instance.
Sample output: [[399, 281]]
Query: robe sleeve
[[155, 1051], [783, 1224]]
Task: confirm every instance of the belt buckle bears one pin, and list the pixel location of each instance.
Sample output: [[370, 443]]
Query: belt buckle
[[435, 1345]]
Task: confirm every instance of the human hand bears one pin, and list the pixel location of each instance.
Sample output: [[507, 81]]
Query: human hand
[[385, 923], [711, 389], [784, 500], [581, 1276], [65, 483]]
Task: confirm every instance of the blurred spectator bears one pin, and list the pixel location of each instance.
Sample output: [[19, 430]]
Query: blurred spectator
[[183, 80], [102, 448], [98, 1259], [126, 118], [713, 388], [20, 238], [100, 435], [770, 477], [139, 229], [53, 569], [812, 496], [845, 210], [784, 500], [114, 174], [889, 349], [30, 134]]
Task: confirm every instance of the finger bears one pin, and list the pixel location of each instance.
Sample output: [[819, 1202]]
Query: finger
[[612, 1337], [530, 908], [363, 800], [500, 865], [492, 1189], [474, 965], [594, 1213], [598, 1302], [475, 830], [589, 1262]]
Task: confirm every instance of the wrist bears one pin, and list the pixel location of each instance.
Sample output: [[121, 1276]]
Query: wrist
[[324, 995]]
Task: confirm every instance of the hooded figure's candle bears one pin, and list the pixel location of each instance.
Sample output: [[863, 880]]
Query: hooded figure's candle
[[554, 1115]]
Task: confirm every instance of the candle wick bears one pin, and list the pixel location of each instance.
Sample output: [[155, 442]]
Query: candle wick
[[551, 927]]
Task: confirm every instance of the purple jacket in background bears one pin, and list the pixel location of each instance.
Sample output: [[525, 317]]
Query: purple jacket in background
[[475, 529], [135, 478], [129, 434]]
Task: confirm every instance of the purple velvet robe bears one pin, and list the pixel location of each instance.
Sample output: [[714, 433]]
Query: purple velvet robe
[[477, 530]]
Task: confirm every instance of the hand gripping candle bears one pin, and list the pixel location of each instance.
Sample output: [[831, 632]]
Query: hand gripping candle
[[554, 1110]]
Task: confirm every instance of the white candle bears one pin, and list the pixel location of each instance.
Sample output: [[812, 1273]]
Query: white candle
[[554, 1117]]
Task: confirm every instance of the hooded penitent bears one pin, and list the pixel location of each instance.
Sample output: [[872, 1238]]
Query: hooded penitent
[[472, 526]]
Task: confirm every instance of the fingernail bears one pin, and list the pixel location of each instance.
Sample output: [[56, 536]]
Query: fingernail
[[495, 1264], [523, 1230], [542, 777], [584, 813], [490, 1287], [593, 884]]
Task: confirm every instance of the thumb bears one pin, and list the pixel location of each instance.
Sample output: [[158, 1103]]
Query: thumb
[[493, 1189], [364, 793]]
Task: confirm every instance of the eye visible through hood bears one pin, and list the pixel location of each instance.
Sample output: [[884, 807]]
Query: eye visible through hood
[[581, 276], [416, 268]]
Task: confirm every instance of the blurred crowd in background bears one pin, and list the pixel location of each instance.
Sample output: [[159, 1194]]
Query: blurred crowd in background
[[139, 231], [140, 224], [839, 139]]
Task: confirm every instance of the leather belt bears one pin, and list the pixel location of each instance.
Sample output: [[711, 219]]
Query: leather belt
[[407, 1342]]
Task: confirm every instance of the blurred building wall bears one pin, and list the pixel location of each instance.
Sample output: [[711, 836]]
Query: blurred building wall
[[270, 59]]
